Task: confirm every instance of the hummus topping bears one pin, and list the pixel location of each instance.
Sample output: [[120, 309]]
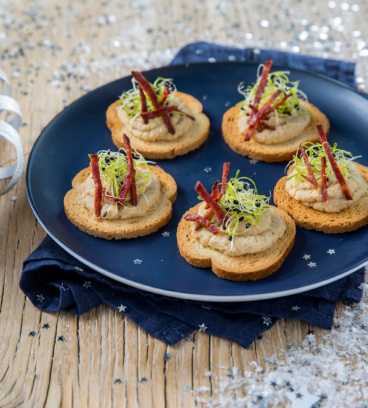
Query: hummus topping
[[305, 192], [155, 129], [286, 127], [251, 240], [145, 202]]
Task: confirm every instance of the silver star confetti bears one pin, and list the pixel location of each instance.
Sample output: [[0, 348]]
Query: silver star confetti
[[187, 388], [143, 380], [295, 308], [40, 298], [166, 234], [167, 356], [331, 251], [207, 169], [117, 381], [87, 285], [32, 333], [253, 161], [266, 320], [306, 257], [190, 338], [202, 327], [122, 308], [14, 198], [137, 261], [312, 264]]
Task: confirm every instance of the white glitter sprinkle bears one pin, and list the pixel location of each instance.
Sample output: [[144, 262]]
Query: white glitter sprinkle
[[264, 23], [283, 44], [312, 264], [122, 308], [364, 53], [211, 59], [166, 234], [355, 7], [304, 22], [336, 21], [137, 261], [314, 28], [116, 43], [302, 398], [248, 36], [231, 58], [331, 251], [323, 36], [13, 198], [306, 257], [111, 19], [331, 4], [357, 33], [303, 35], [295, 49], [345, 6]]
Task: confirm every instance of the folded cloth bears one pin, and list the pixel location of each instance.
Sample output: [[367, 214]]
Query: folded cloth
[[54, 280]]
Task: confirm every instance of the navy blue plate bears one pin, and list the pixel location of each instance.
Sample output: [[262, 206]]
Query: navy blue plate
[[61, 152]]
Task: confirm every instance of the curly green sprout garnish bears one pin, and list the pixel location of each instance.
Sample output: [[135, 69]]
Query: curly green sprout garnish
[[130, 101], [315, 152], [242, 203], [113, 168], [276, 81]]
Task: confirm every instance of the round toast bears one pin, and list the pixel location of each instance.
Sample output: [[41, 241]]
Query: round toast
[[236, 268], [162, 149], [157, 217], [349, 219], [270, 153]]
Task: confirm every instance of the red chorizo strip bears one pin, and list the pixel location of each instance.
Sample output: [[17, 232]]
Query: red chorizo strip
[[131, 171], [125, 189], [266, 126], [202, 222], [164, 111], [256, 117], [211, 202], [206, 216], [214, 194], [309, 168], [307, 178], [262, 83], [331, 159], [165, 95], [274, 107], [146, 86], [143, 104], [323, 179], [98, 184], [225, 172]]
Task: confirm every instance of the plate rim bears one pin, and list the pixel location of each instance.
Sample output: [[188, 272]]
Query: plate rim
[[175, 294]]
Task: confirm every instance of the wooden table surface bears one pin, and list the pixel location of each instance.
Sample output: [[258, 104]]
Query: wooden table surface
[[104, 354]]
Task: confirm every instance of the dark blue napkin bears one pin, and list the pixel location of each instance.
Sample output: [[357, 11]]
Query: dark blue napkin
[[54, 280]]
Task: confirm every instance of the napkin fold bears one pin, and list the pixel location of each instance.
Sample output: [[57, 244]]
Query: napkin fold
[[54, 280]]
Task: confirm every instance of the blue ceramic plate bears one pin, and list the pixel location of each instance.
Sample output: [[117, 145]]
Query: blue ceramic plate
[[62, 151]]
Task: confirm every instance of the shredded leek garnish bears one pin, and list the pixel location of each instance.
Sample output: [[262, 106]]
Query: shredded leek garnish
[[276, 81], [315, 152], [114, 169], [130, 101], [242, 203]]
